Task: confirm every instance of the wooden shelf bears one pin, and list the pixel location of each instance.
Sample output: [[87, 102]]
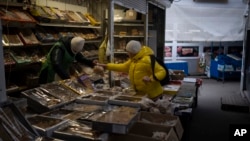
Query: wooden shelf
[[68, 25]]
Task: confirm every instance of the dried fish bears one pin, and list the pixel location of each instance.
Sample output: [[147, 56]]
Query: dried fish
[[46, 91]]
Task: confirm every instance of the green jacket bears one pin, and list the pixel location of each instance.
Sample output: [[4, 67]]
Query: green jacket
[[59, 60]]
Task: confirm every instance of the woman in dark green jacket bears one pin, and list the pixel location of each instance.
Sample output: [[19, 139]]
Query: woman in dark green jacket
[[60, 57]]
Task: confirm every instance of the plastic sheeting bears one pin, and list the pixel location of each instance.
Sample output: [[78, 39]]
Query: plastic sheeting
[[205, 23]]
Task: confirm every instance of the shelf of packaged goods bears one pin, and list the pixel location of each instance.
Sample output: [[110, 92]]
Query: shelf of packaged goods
[[14, 4], [20, 46], [120, 52], [93, 58], [123, 23], [68, 25], [48, 44], [128, 24], [129, 36], [87, 41], [93, 41], [23, 66]]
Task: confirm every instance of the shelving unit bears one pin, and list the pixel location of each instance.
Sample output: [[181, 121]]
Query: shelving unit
[[17, 73], [126, 31]]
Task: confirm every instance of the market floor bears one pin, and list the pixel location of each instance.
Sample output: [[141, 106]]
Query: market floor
[[209, 122]]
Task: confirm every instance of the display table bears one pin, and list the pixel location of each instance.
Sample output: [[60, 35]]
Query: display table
[[177, 65]]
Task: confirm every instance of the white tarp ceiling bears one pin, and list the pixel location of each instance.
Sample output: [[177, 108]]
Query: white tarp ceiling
[[196, 22]]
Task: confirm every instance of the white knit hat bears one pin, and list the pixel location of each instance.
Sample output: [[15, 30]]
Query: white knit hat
[[77, 44], [133, 46]]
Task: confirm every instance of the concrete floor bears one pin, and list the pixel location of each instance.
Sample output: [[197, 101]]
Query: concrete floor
[[209, 122]]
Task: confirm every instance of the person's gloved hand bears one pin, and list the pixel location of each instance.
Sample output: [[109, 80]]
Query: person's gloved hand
[[95, 62], [146, 79], [102, 65], [99, 70]]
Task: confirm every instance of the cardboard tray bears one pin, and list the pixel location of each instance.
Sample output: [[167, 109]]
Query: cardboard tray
[[162, 119], [106, 123], [147, 130], [36, 122]]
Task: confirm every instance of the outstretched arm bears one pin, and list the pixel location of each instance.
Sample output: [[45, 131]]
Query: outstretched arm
[[124, 67], [80, 58]]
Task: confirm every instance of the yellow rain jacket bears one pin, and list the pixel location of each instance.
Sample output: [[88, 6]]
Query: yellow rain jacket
[[138, 67]]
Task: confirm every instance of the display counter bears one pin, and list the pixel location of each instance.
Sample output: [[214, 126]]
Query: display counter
[[222, 73]]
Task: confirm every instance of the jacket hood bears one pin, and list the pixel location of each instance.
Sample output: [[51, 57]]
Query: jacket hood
[[145, 51], [66, 42]]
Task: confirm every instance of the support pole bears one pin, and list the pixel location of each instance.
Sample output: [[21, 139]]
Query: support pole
[[3, 97]]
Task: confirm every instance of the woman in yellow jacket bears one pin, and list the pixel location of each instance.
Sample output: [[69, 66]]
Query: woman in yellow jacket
[[140, 71]]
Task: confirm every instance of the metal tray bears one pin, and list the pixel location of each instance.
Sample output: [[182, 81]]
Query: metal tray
[[119, 120], [106, 93], [86, 108], [90, 117], [14, 125], [41, 101], [77, 131], [65, 114], [58, 113], [45, 126], [75, 86], [58, 90], [94, 99], [125, 100], [46, 139]]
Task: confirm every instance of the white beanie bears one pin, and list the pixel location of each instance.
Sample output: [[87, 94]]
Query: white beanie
[[77, 44], [133, 46]]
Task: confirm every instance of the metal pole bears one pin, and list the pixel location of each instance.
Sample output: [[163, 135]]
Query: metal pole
[[146, 26], [110, 35], [244, 74], [3, 97]]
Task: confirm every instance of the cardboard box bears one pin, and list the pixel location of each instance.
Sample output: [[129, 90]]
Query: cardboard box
[[128, 137], [130, 14], [177, 74], [147, 130], [107, 123], [171, 89], [163, 119]]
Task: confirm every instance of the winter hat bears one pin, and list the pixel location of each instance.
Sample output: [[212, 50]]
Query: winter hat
[[133, 46], [77, 44]]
